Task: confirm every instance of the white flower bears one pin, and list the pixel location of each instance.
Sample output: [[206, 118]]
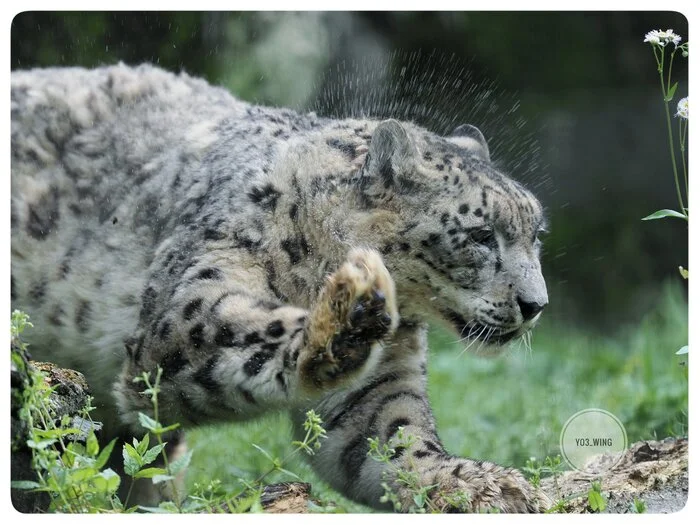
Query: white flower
[[653, 38], [661, 38], [682, 108]]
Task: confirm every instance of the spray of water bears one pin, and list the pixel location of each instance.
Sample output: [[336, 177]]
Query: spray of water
[[439, 92]]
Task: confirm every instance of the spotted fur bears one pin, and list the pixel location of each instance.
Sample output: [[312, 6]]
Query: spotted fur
[[261, 258]]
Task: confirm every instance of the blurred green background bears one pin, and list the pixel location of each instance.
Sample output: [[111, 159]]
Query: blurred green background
[[570, 103]]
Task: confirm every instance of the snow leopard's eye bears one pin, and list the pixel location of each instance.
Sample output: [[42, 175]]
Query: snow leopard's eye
[[539, 233], [484, 237]]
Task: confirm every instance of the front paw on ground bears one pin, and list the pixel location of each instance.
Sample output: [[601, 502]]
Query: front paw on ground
[[482, 488]]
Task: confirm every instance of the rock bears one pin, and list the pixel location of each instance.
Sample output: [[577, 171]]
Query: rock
[[653, 471]]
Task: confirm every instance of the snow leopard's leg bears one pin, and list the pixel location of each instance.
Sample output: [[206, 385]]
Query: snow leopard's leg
[[396, 398], [230, 350]]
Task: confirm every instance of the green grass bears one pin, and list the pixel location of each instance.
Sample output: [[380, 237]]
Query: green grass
[[509, 408]]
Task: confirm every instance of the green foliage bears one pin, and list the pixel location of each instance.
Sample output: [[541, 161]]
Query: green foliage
[[638, 506], [596, 501], [661, 214], [536, 470]]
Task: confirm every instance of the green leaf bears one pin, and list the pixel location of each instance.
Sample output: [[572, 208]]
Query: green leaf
[[107, 481], [142, 446], [683, 272], [152, 454], [664, 213], [683, 350], [419, 500], [150, 472], [101, 460], [24, 485], [671, 92], [147, 422], [596, 501], [132, 460], [264, 452], [41, 444], [181, 463], [160, 478], [91, 445]]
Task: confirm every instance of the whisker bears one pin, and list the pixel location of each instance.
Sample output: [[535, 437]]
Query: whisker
[[476, 338]]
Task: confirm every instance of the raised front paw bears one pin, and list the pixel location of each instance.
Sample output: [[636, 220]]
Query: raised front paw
[[462, 485], [354, 312]]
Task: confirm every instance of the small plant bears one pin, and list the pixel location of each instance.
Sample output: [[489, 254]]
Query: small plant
[[661, 42], [638, 506], [70, 472], [596, 501], [551, 466]]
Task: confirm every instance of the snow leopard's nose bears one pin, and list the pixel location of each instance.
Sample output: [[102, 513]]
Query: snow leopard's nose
[[530, 309]]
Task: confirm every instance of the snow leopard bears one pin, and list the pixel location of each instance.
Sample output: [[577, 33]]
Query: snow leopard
[[267, 259]]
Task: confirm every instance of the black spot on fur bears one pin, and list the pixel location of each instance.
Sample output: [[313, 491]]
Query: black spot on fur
[[432, 446], [164, 331], [115, 220], [38, 291], [427, 156], [192, 308], [478, 212], [173, 363], [398, 452], [394, 426], [353, 456], [254, 365], [148, 303], [82, 316], [209, 274], [211, 234], [293, 211], [404, 246], [297, 248], [440, 167], [225, 336], [275, 329], [55, 316], [43, 215], [279, 377], [205, 375], [197, 335], [253, 338], [421, 453], [13, 288], [265, 197], [345, 148], [463, 209]]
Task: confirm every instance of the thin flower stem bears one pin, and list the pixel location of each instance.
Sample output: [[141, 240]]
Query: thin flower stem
[[670, 136], [683, 133], [670, 66]]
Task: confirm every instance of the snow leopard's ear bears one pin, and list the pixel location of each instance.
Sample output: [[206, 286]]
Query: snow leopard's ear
[[472, 139], [391, 154]]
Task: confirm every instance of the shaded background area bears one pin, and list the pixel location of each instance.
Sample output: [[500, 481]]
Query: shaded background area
[[569, 102], [571, 106]]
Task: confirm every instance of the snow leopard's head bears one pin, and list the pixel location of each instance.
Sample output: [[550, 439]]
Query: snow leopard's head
[[460, 239]]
